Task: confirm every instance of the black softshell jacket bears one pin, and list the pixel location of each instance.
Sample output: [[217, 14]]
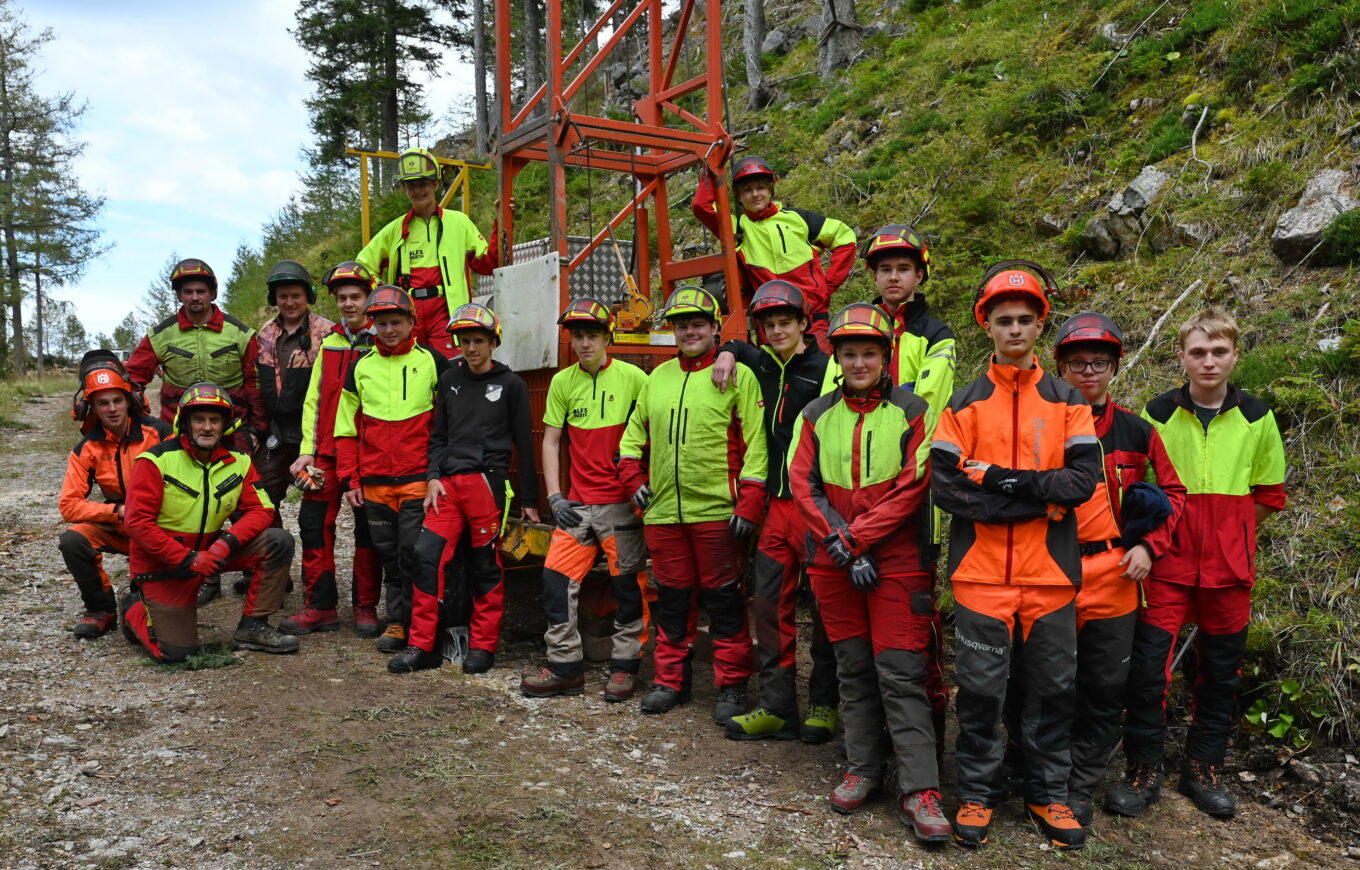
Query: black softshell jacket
[[477, 420]]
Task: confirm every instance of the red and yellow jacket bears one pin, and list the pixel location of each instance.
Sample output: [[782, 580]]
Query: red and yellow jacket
[[104, 460], [382, 426], [856, 464], [1130, 446], [1014, 521], [1228, 469], [339, 352], [785, 243], [592, 411], [177, 505], [221, 351]]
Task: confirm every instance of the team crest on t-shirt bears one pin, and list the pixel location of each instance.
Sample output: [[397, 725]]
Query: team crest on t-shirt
[[493, 392]]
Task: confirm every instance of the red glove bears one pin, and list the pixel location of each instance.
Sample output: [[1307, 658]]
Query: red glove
[[750, 501], [208, 562], [631, 474]]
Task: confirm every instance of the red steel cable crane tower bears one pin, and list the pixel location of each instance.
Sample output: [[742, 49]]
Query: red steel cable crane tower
[[664, 137]]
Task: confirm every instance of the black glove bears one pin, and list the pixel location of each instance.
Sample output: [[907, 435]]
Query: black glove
[[840, 546], [864, 573], [564, 511], [642, 497], [740, 526]]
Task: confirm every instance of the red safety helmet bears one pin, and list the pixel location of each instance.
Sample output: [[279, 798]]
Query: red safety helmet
[[776, 294], [350, 272], [751, 166], [390, 297], [192, 269], [474, 316], [587, 311], [861, 320], [1089, 327], [1012, 278], [206, 397], [692, 300], [899, 240]]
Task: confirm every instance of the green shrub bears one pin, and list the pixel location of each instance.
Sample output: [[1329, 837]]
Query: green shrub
[[1341, 240], [1165, 137], [1268, 183], [1045, 110]]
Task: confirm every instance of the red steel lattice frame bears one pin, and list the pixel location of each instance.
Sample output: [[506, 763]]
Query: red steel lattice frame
[[664, 136]]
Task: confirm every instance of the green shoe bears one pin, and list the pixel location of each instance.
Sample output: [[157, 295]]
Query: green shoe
[[761, 723], [820, 724]]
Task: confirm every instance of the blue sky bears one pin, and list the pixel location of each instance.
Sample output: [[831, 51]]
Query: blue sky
[[194, 129]]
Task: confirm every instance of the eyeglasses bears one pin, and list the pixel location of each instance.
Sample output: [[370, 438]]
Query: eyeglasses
[[1097, 366]]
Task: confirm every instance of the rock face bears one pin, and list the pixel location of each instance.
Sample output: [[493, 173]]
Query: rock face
[[1117, 231], [776, 41], [1327, 195]]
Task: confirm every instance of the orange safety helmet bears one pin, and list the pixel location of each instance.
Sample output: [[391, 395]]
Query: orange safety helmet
[[1013, 278], [475, 316], [899, 240], [102, 370], [208, 397], [861, 320], [390, 297], [350, 272], [587, 311]]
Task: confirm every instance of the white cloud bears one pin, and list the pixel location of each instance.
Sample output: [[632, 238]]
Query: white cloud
[[194, 128]]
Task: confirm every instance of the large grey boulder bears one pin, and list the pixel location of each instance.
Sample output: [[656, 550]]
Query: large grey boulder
[[776, 42], [1118, 230], [1299, 230]]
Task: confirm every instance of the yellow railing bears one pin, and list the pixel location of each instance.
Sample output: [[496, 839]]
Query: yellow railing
[[462, 182]]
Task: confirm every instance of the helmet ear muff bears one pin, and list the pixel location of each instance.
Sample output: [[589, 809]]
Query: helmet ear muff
[[1050, 285]]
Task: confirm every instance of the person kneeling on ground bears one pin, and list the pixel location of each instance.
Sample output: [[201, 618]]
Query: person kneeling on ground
[[115, 431], [481, 413], [868, 516], [183, 492]]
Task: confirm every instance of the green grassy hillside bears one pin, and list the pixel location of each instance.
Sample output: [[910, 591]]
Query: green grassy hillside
[[1000, 129]]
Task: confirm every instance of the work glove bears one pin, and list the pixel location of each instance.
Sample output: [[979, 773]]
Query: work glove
[[310, 479], [642, 497], [740, 526], [864, 573], [208, 562], [841, 546], [564, 511]]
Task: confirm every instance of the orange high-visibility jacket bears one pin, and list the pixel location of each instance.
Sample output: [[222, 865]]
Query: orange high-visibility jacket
[[104, 460], [1014, 520]]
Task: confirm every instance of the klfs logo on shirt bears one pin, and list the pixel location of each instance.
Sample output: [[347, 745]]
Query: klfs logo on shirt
[[493, 392]]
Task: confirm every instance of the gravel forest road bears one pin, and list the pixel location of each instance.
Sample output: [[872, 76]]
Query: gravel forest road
[[323, 759]]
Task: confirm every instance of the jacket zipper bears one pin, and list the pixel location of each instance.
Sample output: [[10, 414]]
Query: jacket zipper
[[203, 523], [679, 410], [118, 464], [403, 383], [855, 454], [869, 452], [782, 243], [1015, 463]]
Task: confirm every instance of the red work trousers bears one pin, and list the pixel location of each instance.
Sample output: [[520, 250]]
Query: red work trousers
[[472, 503], [432, 326], [699, 565], [316, 528]]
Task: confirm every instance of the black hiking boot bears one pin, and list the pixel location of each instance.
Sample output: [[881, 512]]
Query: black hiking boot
[[731, 702], [1199, 782], [1140, 789], [413, 659], [663, 699], [258, 634]]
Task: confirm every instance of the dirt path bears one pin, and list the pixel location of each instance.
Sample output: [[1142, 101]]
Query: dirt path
[[323, 759]]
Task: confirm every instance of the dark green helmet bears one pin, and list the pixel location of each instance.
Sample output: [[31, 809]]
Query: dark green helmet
[[289, 272]]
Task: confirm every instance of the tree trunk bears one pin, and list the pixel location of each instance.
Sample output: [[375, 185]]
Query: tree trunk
[[752, 35], [391, 109], [38, 305], [533, 48], [841, 37], [479, 75]]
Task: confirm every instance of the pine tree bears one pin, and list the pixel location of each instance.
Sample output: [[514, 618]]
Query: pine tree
[[364, 54]]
